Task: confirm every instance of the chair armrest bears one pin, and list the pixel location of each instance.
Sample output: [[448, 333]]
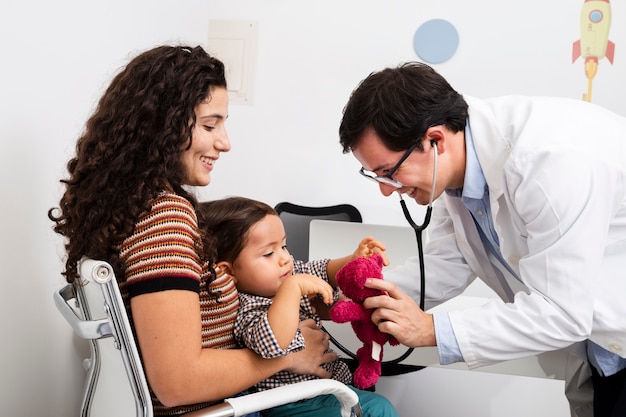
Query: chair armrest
[[295, 392], [282, 395], [87, 329]]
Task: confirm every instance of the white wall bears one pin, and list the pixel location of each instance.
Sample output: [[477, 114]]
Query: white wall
[[58, 56]]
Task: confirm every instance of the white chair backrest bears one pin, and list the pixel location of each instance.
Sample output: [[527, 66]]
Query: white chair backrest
[[100, 317]]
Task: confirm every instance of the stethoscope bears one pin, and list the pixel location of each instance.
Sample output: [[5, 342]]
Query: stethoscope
[[420, 228], [420, 253], [420, 245]]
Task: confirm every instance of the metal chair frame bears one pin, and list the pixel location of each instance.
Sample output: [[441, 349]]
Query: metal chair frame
[[100, 317]]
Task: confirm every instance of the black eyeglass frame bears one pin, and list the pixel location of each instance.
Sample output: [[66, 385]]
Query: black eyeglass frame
[[388, 179]]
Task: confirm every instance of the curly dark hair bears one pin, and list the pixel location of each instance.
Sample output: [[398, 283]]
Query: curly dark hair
[[400, 104], [229, 220], [130, 151]]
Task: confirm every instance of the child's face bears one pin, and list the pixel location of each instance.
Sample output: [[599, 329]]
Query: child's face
[[264, 262]]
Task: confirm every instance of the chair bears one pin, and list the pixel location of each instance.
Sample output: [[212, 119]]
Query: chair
[[296, 219], [116, 385]]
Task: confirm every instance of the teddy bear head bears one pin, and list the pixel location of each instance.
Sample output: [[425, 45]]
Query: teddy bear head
[[351, 278]]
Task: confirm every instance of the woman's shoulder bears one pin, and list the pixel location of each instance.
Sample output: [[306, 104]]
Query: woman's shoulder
[[169, 212], [172, 202], [170, 198]]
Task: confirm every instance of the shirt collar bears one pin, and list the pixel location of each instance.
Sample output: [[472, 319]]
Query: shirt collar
[[474, 182]]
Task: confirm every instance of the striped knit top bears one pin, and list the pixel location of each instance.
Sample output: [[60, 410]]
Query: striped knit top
[[163, 254]]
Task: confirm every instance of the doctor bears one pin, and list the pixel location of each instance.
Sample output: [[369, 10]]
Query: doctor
[[530, 198]]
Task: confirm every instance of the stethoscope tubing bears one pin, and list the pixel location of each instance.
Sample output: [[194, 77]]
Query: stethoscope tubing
[[420, 228], [420, 251]]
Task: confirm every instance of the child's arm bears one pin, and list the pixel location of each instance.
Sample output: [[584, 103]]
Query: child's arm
[[284, 313], [367, 247]]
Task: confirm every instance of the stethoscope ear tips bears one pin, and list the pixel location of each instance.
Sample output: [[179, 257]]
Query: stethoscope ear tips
[[433, 143]]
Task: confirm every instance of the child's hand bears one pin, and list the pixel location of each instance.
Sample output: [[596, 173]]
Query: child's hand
[[312, 285], [368, 247]]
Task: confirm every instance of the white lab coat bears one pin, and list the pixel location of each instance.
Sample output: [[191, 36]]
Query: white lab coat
[[556, 172]]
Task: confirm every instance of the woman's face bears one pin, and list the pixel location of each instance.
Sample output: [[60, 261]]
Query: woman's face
[[208, 138]]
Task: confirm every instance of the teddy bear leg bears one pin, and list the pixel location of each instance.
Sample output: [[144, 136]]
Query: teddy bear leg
[[368, 370]]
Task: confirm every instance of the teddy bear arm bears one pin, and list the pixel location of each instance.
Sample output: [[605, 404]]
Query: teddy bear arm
[[345, 311]]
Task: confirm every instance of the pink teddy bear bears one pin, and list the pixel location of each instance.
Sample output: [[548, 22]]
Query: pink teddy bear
[[351, 280]]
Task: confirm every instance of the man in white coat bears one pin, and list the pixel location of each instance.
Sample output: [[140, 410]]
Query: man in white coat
[[530, 198]]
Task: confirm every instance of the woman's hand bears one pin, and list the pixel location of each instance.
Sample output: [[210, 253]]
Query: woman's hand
[[309, 360], [398, 315]]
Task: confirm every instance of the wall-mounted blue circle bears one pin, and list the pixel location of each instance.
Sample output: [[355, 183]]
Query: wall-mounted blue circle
[[435, 41]]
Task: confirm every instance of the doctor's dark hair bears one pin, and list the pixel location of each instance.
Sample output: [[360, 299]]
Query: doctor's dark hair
[[130, 150], [400, 104], [229, 220]]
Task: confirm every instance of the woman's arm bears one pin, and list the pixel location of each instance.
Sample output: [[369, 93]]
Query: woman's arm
[[167, 325]]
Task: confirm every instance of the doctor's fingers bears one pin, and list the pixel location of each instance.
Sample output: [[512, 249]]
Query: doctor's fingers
[[409, 336], [401, 311], [394, 323], [387, 286], [394, 297], [412, 329]]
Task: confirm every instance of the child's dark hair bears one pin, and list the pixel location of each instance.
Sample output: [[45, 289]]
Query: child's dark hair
[[228, 221]]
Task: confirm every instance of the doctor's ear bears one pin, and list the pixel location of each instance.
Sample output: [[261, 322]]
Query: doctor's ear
[[436, 139]]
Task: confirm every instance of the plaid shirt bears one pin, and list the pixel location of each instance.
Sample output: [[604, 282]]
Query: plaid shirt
[[253, 330]]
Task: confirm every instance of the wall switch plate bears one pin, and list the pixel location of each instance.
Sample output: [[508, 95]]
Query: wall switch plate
[[234, 42]]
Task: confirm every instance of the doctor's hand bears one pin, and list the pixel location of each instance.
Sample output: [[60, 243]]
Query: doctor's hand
[[397, 314]]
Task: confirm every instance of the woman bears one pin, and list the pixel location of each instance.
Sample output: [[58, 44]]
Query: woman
[[158, 128]]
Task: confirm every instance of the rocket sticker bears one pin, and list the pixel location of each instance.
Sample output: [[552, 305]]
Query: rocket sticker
[[594, 43]]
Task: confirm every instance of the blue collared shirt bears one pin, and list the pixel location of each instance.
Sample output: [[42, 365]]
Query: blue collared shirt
[[474, 194]]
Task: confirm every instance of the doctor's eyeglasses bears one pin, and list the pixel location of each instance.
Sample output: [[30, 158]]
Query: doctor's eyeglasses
[[387, 179]]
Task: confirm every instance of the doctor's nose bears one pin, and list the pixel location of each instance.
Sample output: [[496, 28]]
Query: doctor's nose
[[386, 190]]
